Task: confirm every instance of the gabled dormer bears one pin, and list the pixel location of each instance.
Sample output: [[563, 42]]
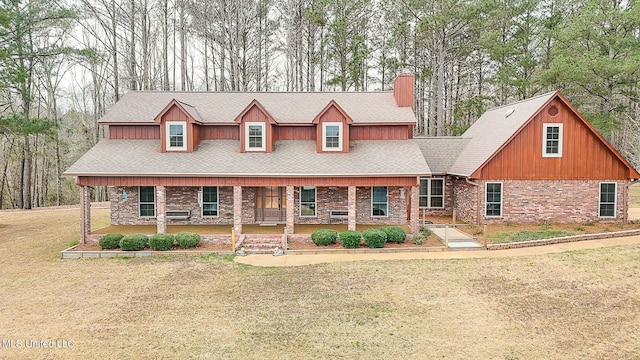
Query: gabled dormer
[[178, 127], [332, 129], [256, 128]]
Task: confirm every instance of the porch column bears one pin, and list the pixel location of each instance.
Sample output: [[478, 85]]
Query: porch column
[[415, 209], [290, 211], [161, 202], [85, 214], [237, 209], [351, 207]]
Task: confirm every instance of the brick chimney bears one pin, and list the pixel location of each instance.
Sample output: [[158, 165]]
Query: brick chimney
[[403, 90]]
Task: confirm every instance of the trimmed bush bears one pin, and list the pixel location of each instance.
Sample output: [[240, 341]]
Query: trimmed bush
[[324, 237], [110, 241], [133, 242], [161, 242], [374, 238], [395, 234], [350, 239], [187, 239]]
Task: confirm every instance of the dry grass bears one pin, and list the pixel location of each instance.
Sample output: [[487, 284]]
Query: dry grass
[[576, 305]]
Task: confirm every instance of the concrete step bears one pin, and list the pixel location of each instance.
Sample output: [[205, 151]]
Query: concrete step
[[261, 244]]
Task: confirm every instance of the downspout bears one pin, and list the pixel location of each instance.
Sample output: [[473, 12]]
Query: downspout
[[478, 198]]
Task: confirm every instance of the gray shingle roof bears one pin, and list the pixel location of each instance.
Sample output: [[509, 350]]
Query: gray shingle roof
[[492, 130], [441, 152], [285, 107], [291, 158]]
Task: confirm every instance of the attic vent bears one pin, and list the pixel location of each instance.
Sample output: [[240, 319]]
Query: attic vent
[[553, 111], [509, 112]]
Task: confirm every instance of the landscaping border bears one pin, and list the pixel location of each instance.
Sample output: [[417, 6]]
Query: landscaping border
[[564, 239], [70, 253]]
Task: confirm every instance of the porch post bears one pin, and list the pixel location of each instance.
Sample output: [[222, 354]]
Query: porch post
[[161, 202], [351, 207], [85, 214], [237, 209], [415, 208], [290, 211]]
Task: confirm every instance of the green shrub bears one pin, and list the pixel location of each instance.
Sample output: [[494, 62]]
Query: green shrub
[[161, 242], [187, 239], [133, 242], [324, 237], [374, 238], [395, 234], [350, 239], [110, 241], [418, 239]]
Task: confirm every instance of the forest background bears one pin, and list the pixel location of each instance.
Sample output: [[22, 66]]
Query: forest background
[[63, 63]]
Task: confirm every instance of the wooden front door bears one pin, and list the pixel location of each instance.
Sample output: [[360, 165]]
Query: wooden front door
[[271, 204]]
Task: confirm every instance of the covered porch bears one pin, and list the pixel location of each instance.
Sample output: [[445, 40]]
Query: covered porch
[[149, 205]]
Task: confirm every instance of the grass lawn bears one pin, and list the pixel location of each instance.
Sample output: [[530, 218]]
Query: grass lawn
[[575, 305]]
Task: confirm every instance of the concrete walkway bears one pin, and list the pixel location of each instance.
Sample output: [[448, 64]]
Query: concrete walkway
[[301, 260], [455, 238]]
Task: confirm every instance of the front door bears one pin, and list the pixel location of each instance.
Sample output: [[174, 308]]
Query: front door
[[271, 204]]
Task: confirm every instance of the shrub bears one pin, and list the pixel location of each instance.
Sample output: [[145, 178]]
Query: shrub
[[418, 239], [324, 237], [133, 242], [161, 242], [350, 239], [395, 234], [110, 241], [374, 238], [187, 239]]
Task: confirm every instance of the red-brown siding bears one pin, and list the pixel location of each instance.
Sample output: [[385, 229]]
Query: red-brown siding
[[255, 114], [584, 156], [332, 114], [294, 133], [403, 90], [244, 181], [220, 132], [137, 132], [380, 132]]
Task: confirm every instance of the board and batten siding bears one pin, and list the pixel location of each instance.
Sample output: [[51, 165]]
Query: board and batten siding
[[584, 155], [134, 132]]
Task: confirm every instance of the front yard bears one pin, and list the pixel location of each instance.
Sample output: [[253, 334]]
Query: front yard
[[575, 305]]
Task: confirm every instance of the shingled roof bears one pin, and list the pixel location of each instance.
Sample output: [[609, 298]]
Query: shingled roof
[[442, 151], [293, 158], [492, 130], [284, 107]]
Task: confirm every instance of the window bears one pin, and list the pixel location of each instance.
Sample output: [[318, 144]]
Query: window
[[331, 136], [176, 135], [431, 193], [607, 206], [210, 201], [379, 201], [494, 200], [254, 136], [308, 201], [147, 201], [552, 140]]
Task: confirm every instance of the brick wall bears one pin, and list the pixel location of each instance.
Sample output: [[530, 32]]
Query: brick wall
[[465, 200], [449, 195], [397, 207], [569, 201], [327, 198]]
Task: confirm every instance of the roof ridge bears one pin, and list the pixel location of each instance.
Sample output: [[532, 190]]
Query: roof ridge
[[256, 92], [523, 100]]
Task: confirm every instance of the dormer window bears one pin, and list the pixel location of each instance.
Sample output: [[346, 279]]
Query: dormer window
[[255, 136], [176, 136], [332, 136]]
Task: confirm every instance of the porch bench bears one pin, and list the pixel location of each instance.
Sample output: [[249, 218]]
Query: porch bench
[[338, 214], [178, 214]]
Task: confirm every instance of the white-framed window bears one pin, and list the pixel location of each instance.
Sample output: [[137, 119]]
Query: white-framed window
[[332, 136], [255, 136], [308, 201], [176, 135], [379, 201], [552, 140], [493, 203], [607, 202], [210, 201], [431, 193], [147, 201]]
